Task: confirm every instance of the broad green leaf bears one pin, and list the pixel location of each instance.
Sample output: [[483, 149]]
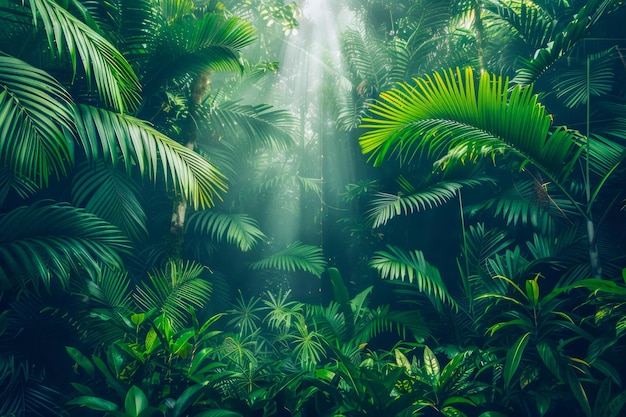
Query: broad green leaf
[[513, 358], [93, 403], [81, 360], [135, 402], [431, 365]]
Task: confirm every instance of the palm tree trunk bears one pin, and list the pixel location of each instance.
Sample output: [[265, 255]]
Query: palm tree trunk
[[199, 89]]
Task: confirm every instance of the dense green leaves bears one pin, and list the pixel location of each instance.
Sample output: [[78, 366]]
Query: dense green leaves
[[236, 229], [35, 136], [118, 137], [447, 116], [295, 257], [49, 241]]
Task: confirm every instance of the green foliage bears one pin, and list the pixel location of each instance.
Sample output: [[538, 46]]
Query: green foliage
[[36, 115], [296, 256], [397, 264], [49, 240], [174, 291], [447, 116], [237, 229]]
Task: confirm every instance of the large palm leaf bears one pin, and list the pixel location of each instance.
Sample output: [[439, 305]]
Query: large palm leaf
[[446, 116], [112, 195], [36, 116], [386, 206], [565, 41], [102, 63], [115, 137], [260, 124], [52, 240], [237, 229], [398, 264], [296, 257], [210, 43]]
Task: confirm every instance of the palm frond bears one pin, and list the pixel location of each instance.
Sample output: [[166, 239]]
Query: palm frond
[[260, 124], [110, 304], [210, 43], [536, 27], [10, 183], [510, 264], [48, 240], [23, 392], [387, 206], [36, 116], [446, 116], [575, 86], [116, 82], [295, 257], [115, 136], [174, 291], [113, 196], [530, 202], [397, 264], [562, 43], [482, 243], [236, 229], [368, 57]]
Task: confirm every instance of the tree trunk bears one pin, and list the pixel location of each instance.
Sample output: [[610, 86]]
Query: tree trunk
[[199, 89]]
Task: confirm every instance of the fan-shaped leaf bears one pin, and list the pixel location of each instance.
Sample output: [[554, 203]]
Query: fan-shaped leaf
[[174, 291], [446, 116]]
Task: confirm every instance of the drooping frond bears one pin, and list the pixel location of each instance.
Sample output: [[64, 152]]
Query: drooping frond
[[175, 290], [115, 136], [190, 45], [531, 202], [112, 195], [36, 116], [236, 229], [261, 124], [115, 80], [295, 257], [51, 240], [533, 24], [397, 264], [563, 42], [445, 115], [387, 206], [11, 183]]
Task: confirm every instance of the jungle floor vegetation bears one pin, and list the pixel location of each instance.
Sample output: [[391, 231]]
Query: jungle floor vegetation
[[434, 227]]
